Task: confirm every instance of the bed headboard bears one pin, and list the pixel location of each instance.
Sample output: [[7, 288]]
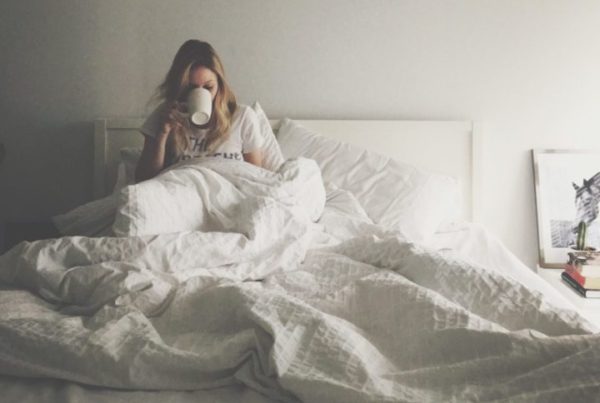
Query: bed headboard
[[447, 147]]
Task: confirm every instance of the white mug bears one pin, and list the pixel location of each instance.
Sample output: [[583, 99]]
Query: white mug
[[199, 104]]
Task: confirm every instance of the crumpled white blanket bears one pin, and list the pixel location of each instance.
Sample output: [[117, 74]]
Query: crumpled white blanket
[[197, 194], [344, 311]]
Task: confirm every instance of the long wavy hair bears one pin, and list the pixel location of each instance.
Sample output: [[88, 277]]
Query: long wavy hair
[[192, 54]]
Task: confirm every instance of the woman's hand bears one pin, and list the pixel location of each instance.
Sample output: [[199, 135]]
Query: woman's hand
[[173, 120], [152, 160]]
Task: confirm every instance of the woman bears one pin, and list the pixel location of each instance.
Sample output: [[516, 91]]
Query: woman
[[232, 131]]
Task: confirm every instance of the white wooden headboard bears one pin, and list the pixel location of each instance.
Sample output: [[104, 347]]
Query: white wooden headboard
[[447, 147]]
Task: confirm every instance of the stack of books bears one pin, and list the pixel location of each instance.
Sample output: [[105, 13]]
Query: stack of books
[[582, 273]]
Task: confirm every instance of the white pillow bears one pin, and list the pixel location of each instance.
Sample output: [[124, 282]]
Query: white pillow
[[272, 156], [396, 195], [91, 219], [129, 157]]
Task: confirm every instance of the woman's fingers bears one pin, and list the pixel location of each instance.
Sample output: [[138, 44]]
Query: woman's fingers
[[174, 119], [177, 113]]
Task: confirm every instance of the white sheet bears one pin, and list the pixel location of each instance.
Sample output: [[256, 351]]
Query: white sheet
[[346, 311], [473, 242]]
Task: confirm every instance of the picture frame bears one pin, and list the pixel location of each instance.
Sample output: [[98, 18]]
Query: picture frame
[[567, 191]]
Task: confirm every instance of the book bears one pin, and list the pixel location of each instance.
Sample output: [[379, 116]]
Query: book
[[588, 270], [588, 276], [585, 292]]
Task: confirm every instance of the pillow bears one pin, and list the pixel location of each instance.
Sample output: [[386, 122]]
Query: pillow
[[395, 195], [92, 219], [129, 157], [272, 156]]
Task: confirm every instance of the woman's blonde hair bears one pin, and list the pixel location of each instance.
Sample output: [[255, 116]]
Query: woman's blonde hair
[[192, 54]]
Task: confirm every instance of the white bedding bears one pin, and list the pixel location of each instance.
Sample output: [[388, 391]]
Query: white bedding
[[345, 311]]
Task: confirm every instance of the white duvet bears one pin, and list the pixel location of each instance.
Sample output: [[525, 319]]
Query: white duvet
[[335, 311]]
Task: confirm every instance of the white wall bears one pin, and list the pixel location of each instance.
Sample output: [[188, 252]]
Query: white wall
[[529, 70]]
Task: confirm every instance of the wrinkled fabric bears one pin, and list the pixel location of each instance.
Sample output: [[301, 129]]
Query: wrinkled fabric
[[337, 311]]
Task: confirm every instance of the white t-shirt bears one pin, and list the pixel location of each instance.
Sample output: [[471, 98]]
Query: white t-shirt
[[244, 135]]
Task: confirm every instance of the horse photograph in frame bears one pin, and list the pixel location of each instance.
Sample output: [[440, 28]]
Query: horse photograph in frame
[[567, 193]]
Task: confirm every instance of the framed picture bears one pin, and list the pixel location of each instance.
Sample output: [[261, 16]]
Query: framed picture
[[567, 192]]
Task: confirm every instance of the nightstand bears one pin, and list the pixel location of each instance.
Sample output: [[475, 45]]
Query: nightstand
[[587, 307]]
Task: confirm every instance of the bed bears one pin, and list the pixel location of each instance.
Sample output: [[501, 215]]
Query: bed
[[310, 283]]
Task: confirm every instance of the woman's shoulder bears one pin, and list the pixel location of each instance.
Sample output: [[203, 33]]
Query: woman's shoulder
[[243, 110], [244, 115]]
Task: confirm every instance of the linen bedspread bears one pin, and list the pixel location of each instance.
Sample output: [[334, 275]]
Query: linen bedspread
[[335, 311]]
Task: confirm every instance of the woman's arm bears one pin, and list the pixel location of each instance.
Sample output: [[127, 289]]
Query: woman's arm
[[254, 157], [152, 159]]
